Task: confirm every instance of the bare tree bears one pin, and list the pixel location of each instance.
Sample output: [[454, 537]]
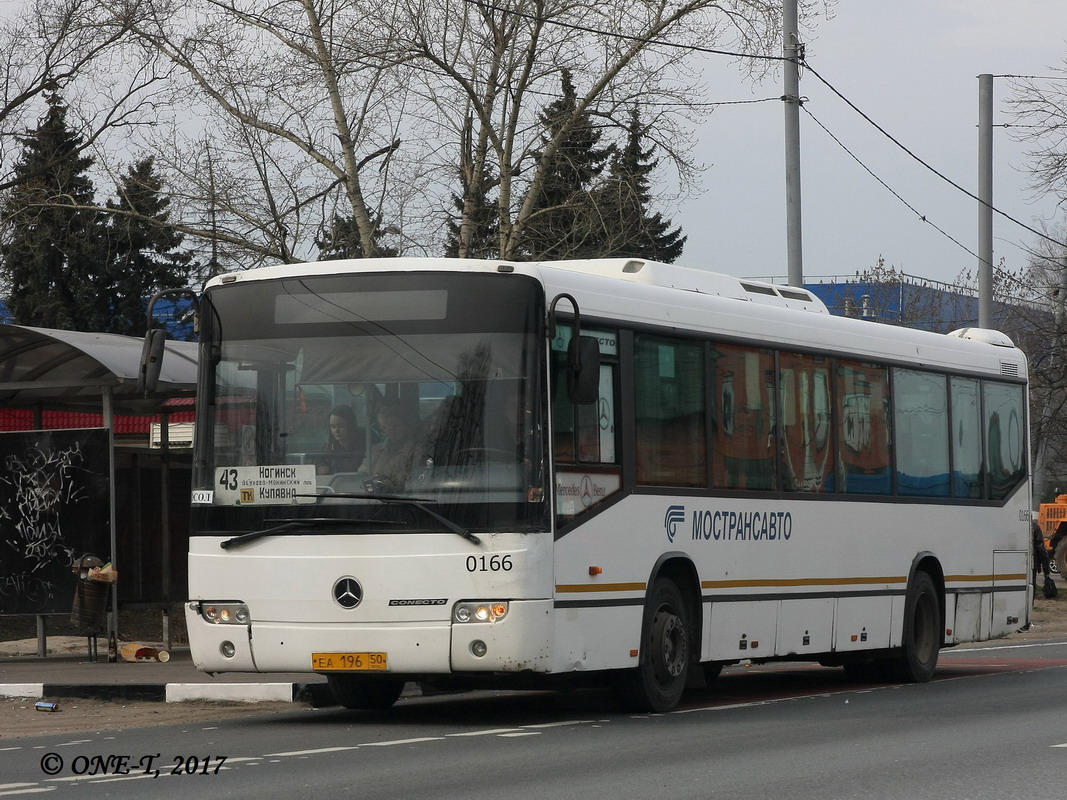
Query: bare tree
[[290, 114], [298, 118], [72, 47], [1038, 324], [1039, 107], [491, 67]]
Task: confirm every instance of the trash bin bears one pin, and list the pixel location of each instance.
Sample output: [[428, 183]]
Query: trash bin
[[90, 597]]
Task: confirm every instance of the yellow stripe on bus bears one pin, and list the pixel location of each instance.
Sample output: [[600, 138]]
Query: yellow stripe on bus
[[772, 582], [1011, 576], [601, 587], [767, 583]]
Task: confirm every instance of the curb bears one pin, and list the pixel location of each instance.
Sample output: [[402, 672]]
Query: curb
[[316, 695]]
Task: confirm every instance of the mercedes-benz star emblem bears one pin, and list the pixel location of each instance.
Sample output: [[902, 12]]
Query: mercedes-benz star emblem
[[347, 592]]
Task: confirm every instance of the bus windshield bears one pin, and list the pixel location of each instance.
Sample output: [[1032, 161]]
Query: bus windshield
[[337, 397]]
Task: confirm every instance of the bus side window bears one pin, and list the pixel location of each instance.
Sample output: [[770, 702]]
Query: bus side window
[[920, 428], [966, 439], [743, 446], [806, 431], [669, 400], [1005, 439], [584, 434], [863, 428]]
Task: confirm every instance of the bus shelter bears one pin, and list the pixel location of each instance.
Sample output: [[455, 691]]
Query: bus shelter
[[57, 488]]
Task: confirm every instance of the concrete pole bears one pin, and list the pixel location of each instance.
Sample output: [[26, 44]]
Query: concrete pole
[[792, 52], [985, 198]]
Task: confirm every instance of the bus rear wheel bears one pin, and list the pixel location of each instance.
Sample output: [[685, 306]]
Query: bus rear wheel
[[365, 692], [921, 642], [659, 680]]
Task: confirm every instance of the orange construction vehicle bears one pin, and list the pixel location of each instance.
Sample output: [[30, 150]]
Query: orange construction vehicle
[[1052, 519]]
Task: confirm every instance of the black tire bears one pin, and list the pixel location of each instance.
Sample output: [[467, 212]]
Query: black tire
[[659, 680], [1059, 557], [921, 643], [366, 692]]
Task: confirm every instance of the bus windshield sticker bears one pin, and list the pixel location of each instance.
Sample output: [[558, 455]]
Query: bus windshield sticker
[[284, 484], [577, 491], [607, 340]]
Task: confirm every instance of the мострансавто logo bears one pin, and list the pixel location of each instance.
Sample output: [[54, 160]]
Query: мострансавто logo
[[675, 517], [742, 526]]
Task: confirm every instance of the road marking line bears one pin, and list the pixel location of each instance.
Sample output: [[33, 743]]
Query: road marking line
[[403, 741], [492, 732], [964, 651], [311, 752], [521, 733]]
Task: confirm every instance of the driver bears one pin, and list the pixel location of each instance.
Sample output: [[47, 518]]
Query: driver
[[391, 461]]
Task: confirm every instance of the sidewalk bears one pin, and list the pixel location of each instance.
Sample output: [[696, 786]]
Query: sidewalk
[[69, 673]]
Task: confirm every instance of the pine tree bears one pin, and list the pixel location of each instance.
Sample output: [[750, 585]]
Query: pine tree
[[143, 252], [629, 229], [564, 223], [54, 245], [342, 240]]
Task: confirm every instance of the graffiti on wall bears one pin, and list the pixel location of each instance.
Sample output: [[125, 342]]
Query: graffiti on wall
[[54, 496]]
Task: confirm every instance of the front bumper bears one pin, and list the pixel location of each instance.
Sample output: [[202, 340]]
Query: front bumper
[[518, 643]]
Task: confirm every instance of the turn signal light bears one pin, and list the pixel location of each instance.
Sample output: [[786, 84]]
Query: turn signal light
[[226, 613], [487, 611]]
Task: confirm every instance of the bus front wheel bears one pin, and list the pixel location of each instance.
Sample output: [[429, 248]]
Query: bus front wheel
[[366, 692], [659, 680]]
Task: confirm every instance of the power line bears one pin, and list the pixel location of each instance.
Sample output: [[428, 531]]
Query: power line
[[625, 36], [889, 188], [928, 166], [802, 63]]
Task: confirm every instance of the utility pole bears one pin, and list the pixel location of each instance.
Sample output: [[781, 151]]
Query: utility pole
[[793, 53], [985, 201]]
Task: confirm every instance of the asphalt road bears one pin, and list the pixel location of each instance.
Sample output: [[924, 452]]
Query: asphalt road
[[993, 724]]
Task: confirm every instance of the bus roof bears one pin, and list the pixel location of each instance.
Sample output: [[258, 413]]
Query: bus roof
[[674, 297]]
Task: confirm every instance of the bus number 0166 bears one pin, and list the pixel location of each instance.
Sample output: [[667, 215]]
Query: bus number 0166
[[489, 563]]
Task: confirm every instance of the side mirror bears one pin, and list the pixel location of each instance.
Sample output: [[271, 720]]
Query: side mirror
[[151, 360], [583, 370]]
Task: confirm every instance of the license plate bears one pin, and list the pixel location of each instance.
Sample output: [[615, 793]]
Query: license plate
[[348, 662]]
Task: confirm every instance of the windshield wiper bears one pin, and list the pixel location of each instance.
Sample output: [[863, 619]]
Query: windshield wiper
[[417, 502], [290, 525]]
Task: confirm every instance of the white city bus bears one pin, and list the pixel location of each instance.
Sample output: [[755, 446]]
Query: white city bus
[[614, 471]]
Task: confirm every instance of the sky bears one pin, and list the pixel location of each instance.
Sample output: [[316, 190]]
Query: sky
[[912, 66]]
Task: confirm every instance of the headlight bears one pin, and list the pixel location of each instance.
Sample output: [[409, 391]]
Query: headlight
[[225, 613], [485, 611]]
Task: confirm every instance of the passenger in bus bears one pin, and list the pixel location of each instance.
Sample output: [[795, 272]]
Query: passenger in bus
[[344, 446], [391, 461]]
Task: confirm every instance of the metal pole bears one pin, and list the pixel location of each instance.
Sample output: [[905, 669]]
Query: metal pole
[[985, 198], [113, 616], [793, 53], [164, 501]]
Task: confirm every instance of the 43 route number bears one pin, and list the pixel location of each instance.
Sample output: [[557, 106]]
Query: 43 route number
[[489, 563], [228, 479]]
